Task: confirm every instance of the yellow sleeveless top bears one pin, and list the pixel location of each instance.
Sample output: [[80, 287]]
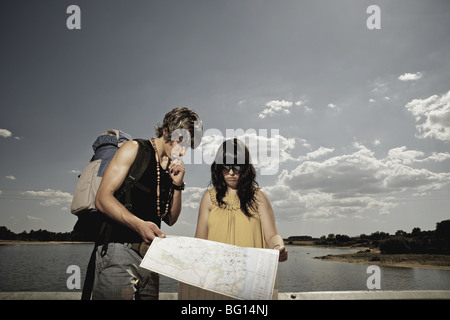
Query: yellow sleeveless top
[[228, 224]]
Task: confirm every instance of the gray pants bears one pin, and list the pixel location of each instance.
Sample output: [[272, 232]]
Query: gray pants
[[119, 277]]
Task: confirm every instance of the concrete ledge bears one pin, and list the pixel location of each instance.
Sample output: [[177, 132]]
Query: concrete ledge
[[367, 295], [320, 295], [61, 296]]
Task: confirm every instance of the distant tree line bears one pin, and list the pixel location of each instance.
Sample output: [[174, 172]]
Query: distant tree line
[[437, 241], [417, 241], [39, 235]]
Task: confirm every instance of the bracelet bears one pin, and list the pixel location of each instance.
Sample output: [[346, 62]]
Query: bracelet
[[179, 188]]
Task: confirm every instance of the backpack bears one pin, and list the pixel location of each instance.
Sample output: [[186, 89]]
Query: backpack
[[83, 202], [92, 225]]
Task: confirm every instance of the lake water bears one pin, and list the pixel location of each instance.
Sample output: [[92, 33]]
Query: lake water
[[28, 267]]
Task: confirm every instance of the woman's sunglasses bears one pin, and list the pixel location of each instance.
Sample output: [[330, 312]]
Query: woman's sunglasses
[[227, 168]]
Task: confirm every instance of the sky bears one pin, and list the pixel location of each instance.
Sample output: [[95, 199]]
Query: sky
[[347, 106]]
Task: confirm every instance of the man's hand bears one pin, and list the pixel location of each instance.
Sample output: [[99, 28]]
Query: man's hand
[[148, 231], [176, 171]]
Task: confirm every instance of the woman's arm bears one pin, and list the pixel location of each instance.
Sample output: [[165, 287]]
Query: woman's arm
[[203, 213], [271, 235]]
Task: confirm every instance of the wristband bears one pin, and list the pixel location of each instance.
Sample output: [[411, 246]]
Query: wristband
[[180, 188]]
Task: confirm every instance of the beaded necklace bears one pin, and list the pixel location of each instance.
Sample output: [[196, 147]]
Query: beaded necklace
[[158, 180]]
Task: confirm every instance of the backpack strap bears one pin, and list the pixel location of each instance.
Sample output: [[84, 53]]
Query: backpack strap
[[137, 169]]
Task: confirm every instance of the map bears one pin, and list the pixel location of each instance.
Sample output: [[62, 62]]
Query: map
[[237, 272]]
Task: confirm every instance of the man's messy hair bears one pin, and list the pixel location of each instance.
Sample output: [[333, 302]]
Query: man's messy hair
[[182, 125]]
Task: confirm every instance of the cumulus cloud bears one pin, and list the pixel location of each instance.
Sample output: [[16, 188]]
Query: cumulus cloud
[[277, 106], [268, 149], [355, 183], [403, 155], [321, 151], [10, 177], [436, 157], [331, 106], [34, 218], [361, 173], [50, 197], [433, 116], [5, 133], [192, 197], [410, 76]]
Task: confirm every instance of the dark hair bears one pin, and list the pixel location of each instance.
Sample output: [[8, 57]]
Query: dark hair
[[179, 120], [231, 152]]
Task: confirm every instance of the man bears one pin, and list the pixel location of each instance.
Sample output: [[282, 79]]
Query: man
[[117, 271]]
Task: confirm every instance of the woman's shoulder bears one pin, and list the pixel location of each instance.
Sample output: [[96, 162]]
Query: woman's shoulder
[[210, 195], [260, 195], [206, 199]]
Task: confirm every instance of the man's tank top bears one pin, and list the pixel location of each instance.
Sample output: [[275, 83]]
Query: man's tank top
[[144, 203]]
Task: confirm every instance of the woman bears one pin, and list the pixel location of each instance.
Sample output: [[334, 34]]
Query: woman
[[235, 210]]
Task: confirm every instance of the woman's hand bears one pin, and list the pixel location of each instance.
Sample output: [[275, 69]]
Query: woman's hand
[[283, 253]]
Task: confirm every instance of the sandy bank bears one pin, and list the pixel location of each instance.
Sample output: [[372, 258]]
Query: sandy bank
[[434, 261]]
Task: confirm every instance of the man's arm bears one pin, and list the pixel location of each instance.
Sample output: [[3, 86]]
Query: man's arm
[[113, 178], [176, 171]]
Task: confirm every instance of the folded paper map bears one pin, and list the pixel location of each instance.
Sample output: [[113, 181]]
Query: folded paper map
[[237, 272]]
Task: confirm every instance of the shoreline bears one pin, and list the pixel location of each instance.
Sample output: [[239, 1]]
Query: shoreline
[[427, 261], [312, 245], [437, 262], [373, 256]]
